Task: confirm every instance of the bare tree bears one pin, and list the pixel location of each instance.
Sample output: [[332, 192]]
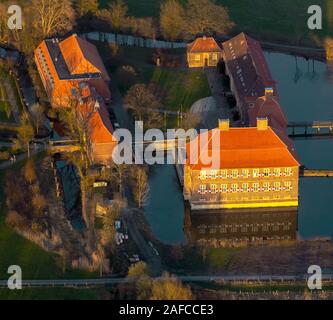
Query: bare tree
[[172, 19], [118, 11], [25, 133], [143, 283], [53, 16], [113, 212], [206, 17], [118, 173], [140, 98], [190, 120], [153, 120], [86, 6], [39, 202], [37, 113], [144, 27], [29, 171], [170, 288], [4, 31], [140, 184]]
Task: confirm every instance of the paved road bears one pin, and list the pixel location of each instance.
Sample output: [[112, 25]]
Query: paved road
[[222, 109], [146, 251], [23, 156], [199, 278]]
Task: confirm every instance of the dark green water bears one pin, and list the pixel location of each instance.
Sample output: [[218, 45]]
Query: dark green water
[[306, 95]]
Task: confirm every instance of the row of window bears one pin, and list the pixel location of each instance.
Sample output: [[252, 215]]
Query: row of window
[[45, 67], [222, 242], [197, 57], [246, 187], [233, 228], [245, 173]]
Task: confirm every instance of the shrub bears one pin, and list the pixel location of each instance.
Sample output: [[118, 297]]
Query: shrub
[[4, 155], [13, 219]]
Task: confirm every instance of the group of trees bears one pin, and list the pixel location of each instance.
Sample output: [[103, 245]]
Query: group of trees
[[197, 17], [135, 177], [168, 287], [40, 19], [24, 199], [142, 101], [176, 20]]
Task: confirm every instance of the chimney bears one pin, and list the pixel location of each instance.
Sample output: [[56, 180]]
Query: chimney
[[262, 124], [204, 37], [269, 92], [224, 124], [96, 106]]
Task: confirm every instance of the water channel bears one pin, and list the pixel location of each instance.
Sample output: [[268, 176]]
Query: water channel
[[306, 94]]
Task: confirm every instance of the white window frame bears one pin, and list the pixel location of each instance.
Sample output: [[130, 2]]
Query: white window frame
[[203, 174], [203, 188], [256, 173], [224, 174]]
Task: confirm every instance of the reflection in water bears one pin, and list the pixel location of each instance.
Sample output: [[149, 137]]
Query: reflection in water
[[223, 228], [70, 184]]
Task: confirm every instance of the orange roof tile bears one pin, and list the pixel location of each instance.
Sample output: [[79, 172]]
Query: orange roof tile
[[240, 148], [100, 127], [268, 107], [204, 44], [82, 56]]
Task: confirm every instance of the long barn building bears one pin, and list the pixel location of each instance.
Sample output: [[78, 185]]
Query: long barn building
[[74, 76]]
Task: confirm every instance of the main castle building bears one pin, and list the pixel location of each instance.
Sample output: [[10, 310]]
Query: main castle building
[[257, 166]]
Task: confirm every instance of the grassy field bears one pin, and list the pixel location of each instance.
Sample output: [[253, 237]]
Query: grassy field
[[52, 294], [219, 257], [176, 87], [273, 20], [180, 88]]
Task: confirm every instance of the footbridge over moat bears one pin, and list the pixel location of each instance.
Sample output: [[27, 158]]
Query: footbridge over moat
[[171, 145], [308, 129]]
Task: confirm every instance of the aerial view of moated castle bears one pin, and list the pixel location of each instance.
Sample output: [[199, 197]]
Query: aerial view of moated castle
[[246, 213]]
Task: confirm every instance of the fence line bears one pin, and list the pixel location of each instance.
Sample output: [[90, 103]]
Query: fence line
[[129, 40]]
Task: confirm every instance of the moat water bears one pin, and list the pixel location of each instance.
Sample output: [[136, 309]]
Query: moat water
[[306, 94]]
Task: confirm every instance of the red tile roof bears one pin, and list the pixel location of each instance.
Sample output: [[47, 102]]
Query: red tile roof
[[94, 108], [268, 107], [204, 44], [240, 148], [247, 65], [82, 57]]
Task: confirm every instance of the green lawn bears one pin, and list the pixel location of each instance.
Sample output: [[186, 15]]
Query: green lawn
[[179, 88], [175, 86], [52, 294], [273, 20], [219, 257], [279, 20]]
